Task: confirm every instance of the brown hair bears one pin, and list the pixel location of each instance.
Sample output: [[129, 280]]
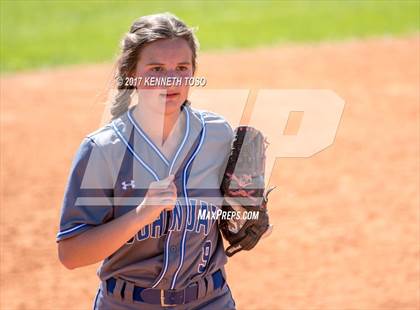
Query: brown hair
[[144, 30]]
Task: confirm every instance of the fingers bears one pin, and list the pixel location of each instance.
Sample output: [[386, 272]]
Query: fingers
[[163, 184], [166, 194], [169, 206], [159, 202], [170, 188], [163, 193]]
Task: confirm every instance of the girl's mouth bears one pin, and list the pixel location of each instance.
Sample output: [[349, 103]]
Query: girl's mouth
[[170, 95]]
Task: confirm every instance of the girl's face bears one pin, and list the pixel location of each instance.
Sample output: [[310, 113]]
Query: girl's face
[[166, 58]]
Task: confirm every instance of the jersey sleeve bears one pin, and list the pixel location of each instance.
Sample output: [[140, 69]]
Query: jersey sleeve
[[88, 195]]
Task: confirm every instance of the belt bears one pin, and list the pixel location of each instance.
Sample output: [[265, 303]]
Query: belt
[[167, 297]]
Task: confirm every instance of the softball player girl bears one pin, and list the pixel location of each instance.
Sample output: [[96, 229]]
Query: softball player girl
[[138, 184]]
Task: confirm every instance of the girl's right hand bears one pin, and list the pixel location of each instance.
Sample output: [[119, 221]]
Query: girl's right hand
[[160, 196]]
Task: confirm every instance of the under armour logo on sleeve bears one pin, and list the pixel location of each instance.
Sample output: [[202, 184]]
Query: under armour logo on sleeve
[[125, 184]]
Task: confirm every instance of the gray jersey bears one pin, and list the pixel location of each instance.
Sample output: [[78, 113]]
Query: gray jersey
[[110, 176]]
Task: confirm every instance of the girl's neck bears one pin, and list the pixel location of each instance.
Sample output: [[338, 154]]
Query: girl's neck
[[158, 125]]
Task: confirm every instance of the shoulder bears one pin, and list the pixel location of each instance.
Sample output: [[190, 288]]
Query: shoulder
[[215, 122], [103, 144], [211, 117], [108, 135], [93, 145], [102, 136]]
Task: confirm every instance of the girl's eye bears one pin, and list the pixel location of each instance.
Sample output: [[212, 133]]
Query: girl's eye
[[182, 68], [157, 69]]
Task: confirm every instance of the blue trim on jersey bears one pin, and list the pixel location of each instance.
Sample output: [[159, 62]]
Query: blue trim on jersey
[[184, 179], [154, 147], [146, 166], [67, 231], [145, 137], [166, 253], [170, 233], [187, 133]]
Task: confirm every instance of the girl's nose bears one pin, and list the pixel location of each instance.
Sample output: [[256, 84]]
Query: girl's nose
[[173, 73]]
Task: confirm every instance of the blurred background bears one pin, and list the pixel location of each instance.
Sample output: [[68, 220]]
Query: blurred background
[[48, 33], [346, 219]]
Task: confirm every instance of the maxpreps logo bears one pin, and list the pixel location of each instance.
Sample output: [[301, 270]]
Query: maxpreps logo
[[228, 215]]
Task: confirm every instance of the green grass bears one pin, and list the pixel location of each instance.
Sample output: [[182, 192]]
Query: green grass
[[39, 34]]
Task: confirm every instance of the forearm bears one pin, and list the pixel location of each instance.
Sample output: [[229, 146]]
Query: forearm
[[101, 241]]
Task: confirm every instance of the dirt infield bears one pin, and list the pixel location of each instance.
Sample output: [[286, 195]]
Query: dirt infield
[[347, 219]]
